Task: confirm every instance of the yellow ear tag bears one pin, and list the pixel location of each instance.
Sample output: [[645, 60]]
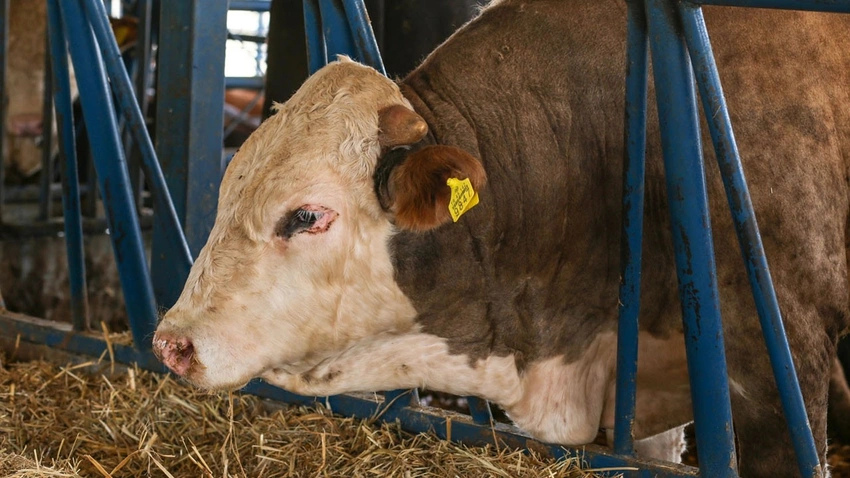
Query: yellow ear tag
[[463, 197]]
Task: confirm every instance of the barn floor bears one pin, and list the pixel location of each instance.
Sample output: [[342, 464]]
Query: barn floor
[[93, 419], [67, 422]]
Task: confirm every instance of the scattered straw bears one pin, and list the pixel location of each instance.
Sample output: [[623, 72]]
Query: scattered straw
[[69, 422], [108, 340]]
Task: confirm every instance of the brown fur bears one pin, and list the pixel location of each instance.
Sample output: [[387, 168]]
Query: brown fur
[[418, 187], [535, 89]]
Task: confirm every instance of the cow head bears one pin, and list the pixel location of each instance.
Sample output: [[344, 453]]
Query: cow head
[[297, 268]]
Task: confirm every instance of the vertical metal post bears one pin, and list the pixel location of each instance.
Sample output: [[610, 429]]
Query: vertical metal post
[[112, 174], [480, 410], [691, 230], [634, 155], [397, 399], [4, 98], [142, 76], [189, 123], [749, 238], [362, 34], [47, 172], [165, 219], [58, 52], [92, 192], [345, 27], [317, 53]]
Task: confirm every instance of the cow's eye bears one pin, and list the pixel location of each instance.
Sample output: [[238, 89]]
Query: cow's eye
[[306, 218], [301, 220]]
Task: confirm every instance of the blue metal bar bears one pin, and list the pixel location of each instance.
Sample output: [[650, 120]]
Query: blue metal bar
[[632, 235], [165, 217], [92, 191], [317, 52], [344, 26], [112, 174], [45, 208], [61, 83], [396, 399], [246, 82], [141, 79], [746, 227], [363, 36], [691, 231], [835, 6], [61, 336], [189, 122], [336, 30], [250, 5], [480, 411], [246, 38], [4, 101]]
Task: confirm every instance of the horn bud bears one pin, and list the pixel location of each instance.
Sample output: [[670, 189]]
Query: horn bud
[[398, 125]]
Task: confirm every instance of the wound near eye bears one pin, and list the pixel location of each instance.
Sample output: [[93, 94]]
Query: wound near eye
[[463, 197]]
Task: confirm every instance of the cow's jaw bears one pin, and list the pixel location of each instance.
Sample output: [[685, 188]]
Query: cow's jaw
[[572, 393]]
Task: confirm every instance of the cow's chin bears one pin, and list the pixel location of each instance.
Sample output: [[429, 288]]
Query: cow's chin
[[299, 383], [198, 377], [284, 378]]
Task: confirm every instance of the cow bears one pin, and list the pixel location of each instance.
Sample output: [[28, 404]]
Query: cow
[[27, 24], [25, 69], [335, 265]]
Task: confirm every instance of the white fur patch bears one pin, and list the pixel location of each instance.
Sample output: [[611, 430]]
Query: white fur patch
[[665, 446], [554, 401], [389, 361]]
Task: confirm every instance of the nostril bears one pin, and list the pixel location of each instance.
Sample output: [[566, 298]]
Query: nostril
[[176, 353]]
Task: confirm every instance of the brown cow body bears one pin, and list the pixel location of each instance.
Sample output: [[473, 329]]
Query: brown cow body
[[316, 283]]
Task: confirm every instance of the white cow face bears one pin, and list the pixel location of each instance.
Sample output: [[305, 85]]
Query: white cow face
[[297, 267]]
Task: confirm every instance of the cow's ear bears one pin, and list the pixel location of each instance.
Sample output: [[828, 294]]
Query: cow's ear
[[416, 190], [398, 125]]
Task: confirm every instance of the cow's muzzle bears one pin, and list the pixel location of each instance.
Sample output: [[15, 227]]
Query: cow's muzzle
[[177, 353]]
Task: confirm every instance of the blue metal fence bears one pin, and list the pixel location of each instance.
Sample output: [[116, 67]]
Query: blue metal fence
[[190, 140]]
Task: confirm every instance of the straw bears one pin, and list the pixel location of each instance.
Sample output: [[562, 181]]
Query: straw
[[84, 421]]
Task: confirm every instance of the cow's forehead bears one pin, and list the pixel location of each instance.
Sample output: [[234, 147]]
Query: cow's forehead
[[328, 129]]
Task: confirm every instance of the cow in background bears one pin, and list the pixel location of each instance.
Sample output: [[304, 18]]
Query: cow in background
[[27, 27], [25, 70]]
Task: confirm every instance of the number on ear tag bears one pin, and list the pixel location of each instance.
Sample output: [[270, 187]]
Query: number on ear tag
[[463, 197]]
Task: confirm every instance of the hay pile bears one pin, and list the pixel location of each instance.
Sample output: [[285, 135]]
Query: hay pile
[[66, 421]]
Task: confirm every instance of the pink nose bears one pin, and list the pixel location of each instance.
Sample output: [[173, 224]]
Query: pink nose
[[175, 352]]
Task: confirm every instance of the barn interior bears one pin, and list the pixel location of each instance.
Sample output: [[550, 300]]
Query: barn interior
[[108, 196]]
